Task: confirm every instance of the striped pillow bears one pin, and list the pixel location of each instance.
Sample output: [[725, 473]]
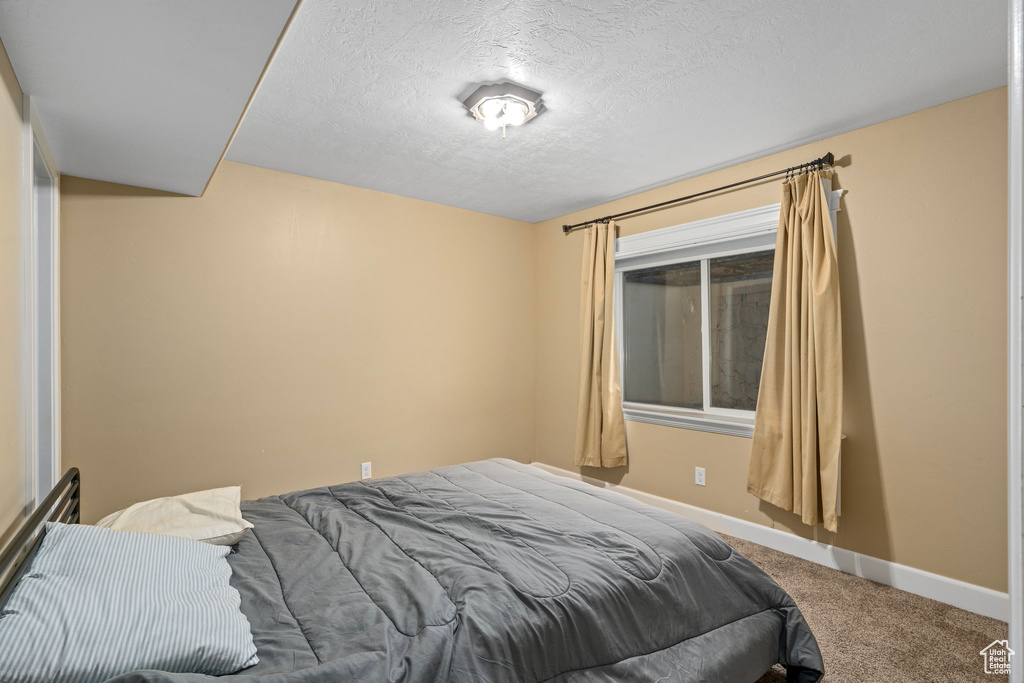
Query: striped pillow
[[96, 603]]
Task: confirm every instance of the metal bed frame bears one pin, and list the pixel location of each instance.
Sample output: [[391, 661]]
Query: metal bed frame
[[62, 504]]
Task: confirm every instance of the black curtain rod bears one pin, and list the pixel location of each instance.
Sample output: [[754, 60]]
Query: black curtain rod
[[826, 160]]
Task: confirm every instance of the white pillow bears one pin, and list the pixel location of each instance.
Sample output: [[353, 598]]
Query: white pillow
[[210, 516]]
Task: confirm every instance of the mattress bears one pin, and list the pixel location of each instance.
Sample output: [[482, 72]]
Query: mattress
[[496, 571]]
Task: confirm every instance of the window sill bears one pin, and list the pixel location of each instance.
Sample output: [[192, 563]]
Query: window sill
[[689, 419]]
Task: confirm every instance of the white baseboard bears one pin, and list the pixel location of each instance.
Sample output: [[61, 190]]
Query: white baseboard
[[970, 597]]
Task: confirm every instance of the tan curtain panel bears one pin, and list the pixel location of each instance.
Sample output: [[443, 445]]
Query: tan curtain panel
[[794, 462], [600, 429]]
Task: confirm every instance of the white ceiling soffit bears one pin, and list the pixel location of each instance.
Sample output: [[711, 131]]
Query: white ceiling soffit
[[141, 92], [637, 93]]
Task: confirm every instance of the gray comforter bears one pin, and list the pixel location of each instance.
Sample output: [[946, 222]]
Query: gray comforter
[[496, 571]]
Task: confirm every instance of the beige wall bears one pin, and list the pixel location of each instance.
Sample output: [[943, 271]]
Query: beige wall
[[12, 432], [922, 252], [280, 330]]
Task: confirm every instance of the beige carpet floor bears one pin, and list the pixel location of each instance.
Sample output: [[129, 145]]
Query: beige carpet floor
[[872, 633]]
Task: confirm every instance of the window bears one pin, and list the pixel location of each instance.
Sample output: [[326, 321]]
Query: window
[[692, 307], [740, 293]]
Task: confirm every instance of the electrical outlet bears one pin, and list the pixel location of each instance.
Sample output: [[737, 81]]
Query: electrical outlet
[[698, 476], [364, 471]]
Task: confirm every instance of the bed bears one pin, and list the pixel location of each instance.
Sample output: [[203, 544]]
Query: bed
[[497, 571]]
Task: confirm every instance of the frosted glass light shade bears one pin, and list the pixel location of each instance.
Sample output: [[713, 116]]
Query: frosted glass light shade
[[499, 105], [515, 113], [492, 108]]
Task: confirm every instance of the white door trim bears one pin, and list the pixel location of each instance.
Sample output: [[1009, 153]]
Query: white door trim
[[1015, 318], [41, 337]]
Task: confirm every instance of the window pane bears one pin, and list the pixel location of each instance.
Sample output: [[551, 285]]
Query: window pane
[[661, 314], [741, 290]]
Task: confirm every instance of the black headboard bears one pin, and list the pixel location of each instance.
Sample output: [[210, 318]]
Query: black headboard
[[62, 504]]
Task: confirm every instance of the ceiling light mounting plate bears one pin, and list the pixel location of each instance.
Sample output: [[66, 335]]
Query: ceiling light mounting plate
[[498, 105]]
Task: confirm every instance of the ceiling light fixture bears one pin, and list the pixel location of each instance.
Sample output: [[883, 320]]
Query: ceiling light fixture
[[503, 104]]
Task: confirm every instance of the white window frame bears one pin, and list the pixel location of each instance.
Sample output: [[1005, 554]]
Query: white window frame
[[735, 233]]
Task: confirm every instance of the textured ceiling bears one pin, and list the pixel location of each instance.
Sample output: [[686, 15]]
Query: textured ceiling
[[142, 92], [638, 93]]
